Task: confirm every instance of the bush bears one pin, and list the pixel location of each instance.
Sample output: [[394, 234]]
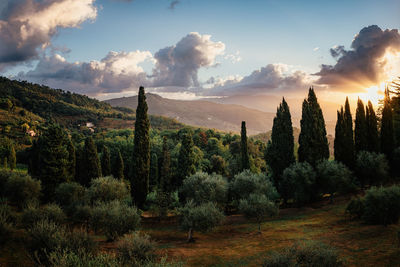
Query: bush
[[22, 188], [298, 180], [82, 214], [136, 249], [356, 208], [65, 258], [108, 189], [4, 175], [70, 194], [246, 183], [371, 168], [200, 218], [333, 176], [114, 219], [382, 205], [312, 254], [202, 187], [258, 206], [6, 223], [33, 214]]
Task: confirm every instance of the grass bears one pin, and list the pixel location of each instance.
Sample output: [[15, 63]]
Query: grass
[[237, 243]]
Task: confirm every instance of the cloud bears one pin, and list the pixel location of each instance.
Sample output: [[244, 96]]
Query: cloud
[[116, 72], [316, 49], [364, 64], [173, 4], [27, 26], [178, 65], [268, 79]]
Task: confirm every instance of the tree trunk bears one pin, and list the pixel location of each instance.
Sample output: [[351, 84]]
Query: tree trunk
[[190, 236]]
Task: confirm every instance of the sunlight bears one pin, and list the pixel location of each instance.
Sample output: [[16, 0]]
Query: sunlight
[[373, 94]]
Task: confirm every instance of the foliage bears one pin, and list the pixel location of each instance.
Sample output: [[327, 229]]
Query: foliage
[[114, 219], [90, 167], [280, 149], [70, 194], [186, 163], [344, 142], [119, 167], [21, 188], [356, 207], [65, 258], [333, 176], [106, 189], [135, 249], [371, 168], [299, 181], [372, 129], [244, 154], [141, 153], [6, 224], [361, 129], [164, 183], [106, 162], [33, 214], [313, 143], [313, 254]]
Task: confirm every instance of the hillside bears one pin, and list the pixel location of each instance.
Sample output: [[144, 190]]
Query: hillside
[[226, 117]]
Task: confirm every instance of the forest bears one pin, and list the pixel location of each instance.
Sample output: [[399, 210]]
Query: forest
[[78, 187]]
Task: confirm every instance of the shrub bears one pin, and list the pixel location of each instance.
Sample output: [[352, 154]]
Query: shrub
[[4, 175], [202, 187], [6, 223], [371, 168], [108, 189], [356, 208], [246, 183], [136, 249], [22, 188], [298, 180], [33, 214], [201, 218], [258, 206], [313, 254], [69, 194], [333, 176], [82, 214], [114, 219], [382, 205], [65, 258]]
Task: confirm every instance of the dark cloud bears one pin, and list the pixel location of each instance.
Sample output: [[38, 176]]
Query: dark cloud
[[173, 4], [268, 79], [27, 26], [177, 65], [363, 65]]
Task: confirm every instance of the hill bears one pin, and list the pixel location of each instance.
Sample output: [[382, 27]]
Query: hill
[[226, 117]]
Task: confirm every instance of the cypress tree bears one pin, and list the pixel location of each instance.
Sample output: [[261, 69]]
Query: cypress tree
[[186, 165], [153, 170], [360, 129], [280, 149], [71, 160], [372, 129], [313, 143], [387, 133], [349, 156], [165, 175], [141, 152], [119, 166], [339, 147], [106, 162], [91, 167], [12, 159], [244, 153], [4, 163]]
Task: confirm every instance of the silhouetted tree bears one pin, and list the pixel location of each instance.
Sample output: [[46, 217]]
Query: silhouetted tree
[[186, 165], [141, 152], [360, 129], [71, 160], [349, 156], [339, 144], [280, 149], [387, 134], [119, 166], [91, 167], [372, 129], [106, 162], [165, 169], [313, 144], [244, 153], [12, 159]]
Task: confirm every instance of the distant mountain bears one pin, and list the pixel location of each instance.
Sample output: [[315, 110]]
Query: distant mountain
[[269, 103], [226, 117]]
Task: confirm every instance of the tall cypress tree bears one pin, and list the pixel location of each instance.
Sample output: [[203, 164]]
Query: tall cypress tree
[[106, 162], [349, 156], [165, 165], [244, 153], [313, 143], [153, 180], [12, 159], [119, 166], [141, 152], [360, 129], [91, 167], [339, 147], [186, 160], [71, 160], [280, 149], [372, 129], [387, 133]]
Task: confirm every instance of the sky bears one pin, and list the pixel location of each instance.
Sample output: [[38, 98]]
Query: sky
[[191, 49]]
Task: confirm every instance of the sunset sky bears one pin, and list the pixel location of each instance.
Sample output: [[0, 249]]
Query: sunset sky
[[198, 48]]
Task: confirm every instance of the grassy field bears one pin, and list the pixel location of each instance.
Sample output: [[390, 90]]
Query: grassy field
[[237, 243]]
